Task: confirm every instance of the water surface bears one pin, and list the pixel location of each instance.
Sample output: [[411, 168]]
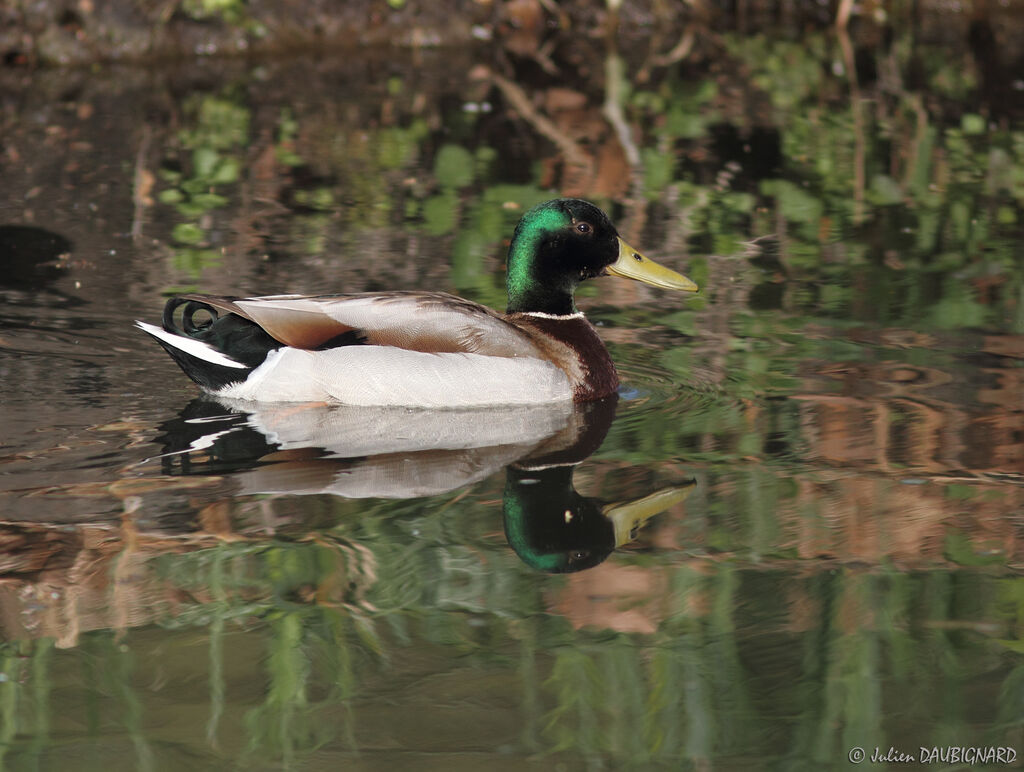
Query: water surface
[[817, 466]]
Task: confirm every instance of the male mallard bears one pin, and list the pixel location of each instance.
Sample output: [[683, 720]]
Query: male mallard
[[424, 349]]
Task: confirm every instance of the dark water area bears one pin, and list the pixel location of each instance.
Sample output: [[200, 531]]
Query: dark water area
[[797, 531]]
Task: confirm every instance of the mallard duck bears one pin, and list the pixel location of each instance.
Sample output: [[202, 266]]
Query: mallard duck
[[423, 349]]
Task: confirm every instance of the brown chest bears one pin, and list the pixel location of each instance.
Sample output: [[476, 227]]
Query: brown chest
[[572, 343]]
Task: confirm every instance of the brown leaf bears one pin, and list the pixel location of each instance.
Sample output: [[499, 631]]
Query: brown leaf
[[556, 99]]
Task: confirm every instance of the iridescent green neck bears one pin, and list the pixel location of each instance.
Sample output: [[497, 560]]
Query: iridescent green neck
[[529, 287]]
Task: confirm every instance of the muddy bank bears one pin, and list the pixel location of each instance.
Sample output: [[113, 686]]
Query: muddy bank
[[85, 31], [82, 32]]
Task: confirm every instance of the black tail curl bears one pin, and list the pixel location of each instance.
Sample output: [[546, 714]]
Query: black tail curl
[[188, 326], [237, 338]]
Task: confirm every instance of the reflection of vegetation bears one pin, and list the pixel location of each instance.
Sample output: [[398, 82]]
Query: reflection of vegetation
[[949, 200], [220, 131], [732, 668], [232, 11]]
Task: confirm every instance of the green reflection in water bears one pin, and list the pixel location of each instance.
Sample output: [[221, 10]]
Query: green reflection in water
[[729, 669]]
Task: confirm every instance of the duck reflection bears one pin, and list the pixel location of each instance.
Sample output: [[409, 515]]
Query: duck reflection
[[399, 453], [553, 528]]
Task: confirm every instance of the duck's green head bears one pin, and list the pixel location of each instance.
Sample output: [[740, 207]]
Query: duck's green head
[[560, 243]]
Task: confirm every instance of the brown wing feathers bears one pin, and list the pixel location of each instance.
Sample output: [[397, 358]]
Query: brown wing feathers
[[296, 327], [305, 328], [416, 321]]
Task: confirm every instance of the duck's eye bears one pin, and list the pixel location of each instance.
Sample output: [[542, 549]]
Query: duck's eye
[[584, 227]]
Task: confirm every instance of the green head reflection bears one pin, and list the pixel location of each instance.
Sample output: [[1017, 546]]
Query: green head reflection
[[553, 528], [549, 525]]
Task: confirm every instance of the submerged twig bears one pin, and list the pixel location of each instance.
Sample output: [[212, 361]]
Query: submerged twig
[[522, 105], [680, 51], [856, 106], [612, 110], [843, 14], [141, 185]]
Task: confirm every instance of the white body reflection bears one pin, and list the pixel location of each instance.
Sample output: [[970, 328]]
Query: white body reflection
[[377, 452]]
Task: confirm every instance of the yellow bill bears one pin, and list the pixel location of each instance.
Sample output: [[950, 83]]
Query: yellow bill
[[628, 517], [633, 265]]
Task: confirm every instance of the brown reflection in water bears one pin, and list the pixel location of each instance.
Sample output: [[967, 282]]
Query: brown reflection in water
[[896, 417], [628, 599], [60, 581]]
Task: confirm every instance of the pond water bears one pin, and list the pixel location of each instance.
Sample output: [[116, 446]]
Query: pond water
[[799, 525]]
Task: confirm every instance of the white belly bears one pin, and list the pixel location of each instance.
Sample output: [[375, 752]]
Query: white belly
[[382, 375]]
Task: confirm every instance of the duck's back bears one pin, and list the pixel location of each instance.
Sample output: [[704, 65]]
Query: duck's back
[[400, 348]]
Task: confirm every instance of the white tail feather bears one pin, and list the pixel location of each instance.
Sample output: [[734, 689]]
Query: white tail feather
[[190, 346]]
